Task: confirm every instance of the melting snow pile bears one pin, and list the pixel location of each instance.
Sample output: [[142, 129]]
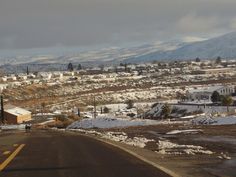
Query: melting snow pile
[[122, 137], [215, 121], [107, 122], [167, 147], [119, 137]]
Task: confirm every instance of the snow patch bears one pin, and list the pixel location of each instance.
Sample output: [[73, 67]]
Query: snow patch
[[118, 137], [167, 147], [191, 131], [122, 137]]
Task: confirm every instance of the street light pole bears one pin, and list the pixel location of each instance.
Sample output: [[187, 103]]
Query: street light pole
[[2, 110]]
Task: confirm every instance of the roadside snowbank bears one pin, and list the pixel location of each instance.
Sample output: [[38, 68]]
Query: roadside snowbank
[[122, 137], [108, 122], [118, 137]]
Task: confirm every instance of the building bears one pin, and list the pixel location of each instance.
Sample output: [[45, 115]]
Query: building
[[205, 93], [16, 115]]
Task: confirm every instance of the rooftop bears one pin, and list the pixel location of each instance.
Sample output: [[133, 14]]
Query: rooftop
[[17, 111], [206, 89]]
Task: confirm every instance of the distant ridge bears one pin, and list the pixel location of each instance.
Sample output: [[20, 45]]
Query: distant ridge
[[223, 46]]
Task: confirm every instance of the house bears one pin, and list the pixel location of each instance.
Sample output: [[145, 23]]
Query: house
[[16, 115], [205, 93]]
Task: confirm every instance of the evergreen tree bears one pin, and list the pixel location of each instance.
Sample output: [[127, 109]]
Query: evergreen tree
[[215, 97], [79, 67], [70, 67], [197, 59], [218, 60], [106, 110]]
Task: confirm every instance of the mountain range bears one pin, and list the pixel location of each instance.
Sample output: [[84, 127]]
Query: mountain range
[[223, 46]]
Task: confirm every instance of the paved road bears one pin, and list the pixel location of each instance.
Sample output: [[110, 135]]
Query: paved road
[[53, 154]]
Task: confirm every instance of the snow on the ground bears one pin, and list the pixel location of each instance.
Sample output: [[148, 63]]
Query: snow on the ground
[[167, 147], [214, 121], [110, 122], [122, 137], [190, 131], [224, 156], [118, 137], [12, 127], [164, 146], [120, 106]]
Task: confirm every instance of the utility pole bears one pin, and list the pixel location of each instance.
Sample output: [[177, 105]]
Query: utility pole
[[2, 110], [95, 110]]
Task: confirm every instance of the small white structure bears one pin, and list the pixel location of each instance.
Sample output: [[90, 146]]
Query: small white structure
[[205, 93], [45, 75], [2, 87]]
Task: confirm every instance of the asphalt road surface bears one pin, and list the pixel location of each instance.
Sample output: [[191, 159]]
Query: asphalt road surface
[[55, 154]]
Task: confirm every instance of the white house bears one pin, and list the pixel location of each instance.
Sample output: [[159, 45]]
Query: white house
[[205, 93]]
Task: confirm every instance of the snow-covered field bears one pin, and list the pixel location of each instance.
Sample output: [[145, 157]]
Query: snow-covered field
[[111, 122]]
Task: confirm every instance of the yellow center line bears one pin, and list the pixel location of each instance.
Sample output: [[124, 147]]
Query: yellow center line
[[11, 157]]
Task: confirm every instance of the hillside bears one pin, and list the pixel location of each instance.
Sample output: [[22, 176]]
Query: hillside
[[223, 46]]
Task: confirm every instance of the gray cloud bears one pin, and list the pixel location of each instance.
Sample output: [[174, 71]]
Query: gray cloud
[[47, 23]]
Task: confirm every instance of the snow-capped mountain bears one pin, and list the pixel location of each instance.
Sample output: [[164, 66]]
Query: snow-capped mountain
[[110, 55], [223, 46]]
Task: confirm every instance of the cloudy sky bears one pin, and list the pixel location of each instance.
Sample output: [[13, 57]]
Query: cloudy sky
[[27, 24]]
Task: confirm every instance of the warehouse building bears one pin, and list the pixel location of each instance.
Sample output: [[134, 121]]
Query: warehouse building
[[16, 115]]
